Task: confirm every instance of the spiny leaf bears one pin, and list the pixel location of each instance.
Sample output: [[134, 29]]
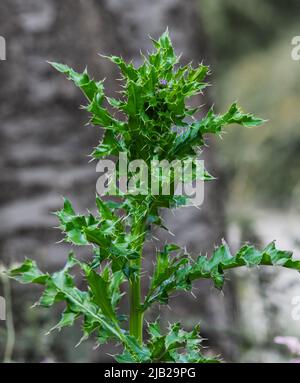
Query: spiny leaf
[[128, 70], [28, 272], [186, 270], [82, 80], [79, 302], [213, 124], [99, 287], [67, 319], [177, 345]]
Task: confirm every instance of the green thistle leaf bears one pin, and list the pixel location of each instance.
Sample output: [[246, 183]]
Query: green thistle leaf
[[180, 272]]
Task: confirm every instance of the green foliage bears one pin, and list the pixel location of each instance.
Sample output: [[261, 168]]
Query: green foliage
[[153, 103]]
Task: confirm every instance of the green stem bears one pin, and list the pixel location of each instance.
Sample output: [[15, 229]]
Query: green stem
[[136, 314], [136, 317]]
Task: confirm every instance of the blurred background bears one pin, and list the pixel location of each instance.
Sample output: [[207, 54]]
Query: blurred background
[[44, 147]]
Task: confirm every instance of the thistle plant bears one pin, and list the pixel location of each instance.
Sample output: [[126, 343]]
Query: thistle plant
[[150, 120]]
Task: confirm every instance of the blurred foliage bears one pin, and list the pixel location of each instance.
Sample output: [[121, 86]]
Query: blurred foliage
[[251, 41], [238, 27]]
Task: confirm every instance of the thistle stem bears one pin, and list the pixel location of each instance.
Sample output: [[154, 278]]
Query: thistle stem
[[136, 317]]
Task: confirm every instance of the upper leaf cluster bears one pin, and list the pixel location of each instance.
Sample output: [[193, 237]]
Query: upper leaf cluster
[[157, 123]]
